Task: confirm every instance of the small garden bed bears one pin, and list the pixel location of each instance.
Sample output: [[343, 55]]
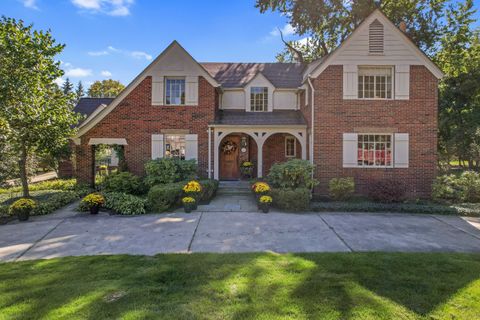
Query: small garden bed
[[462, 209]]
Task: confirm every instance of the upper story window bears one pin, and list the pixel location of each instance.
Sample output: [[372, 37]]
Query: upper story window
[[375, 83], [174, 91], [374, 150], [258, 99]]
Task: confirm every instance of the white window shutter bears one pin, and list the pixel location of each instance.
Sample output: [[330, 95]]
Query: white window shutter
[[350, 152], [157, 146], [157, 91], [191, 91], [350, 81], [402, 82], [401, 150], [191, 146]]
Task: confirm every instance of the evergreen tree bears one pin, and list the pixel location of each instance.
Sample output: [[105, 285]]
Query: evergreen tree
[[80, 91], [67, 87]]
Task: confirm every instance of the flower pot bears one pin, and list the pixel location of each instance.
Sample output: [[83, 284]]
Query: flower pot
[[94, 209], [23, 215], [265, 207], [189, 207]]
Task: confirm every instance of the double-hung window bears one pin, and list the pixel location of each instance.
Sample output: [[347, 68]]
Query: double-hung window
[[375, 83], [374, 150], [174, 91], [175, 146], [290, 147], [258, 99]]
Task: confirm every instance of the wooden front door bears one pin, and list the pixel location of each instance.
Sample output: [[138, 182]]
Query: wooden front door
[[229, 152]]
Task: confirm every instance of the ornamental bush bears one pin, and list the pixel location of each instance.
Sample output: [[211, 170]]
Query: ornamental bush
[[453, 188], [169, 170], [125, 204], [124, 182], [292, 174], [164, 196], [341, 188], [54, 202], [209, 190], [291, 199], [387, 191]]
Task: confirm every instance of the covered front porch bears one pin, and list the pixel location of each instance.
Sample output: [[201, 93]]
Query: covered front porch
[[262, 145]]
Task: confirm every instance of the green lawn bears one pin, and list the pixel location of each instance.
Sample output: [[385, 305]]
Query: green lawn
[[244, 286]]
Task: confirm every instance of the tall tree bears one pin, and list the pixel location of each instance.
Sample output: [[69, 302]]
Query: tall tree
[[326, 23], [105, 89], [67, 86], [35, 113], [80, 91]]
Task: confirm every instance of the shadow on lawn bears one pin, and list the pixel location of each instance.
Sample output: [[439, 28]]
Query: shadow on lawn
[[234, 285]]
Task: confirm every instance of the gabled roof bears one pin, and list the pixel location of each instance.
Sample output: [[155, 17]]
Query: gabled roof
[[87, 106], [376, 14], [237, 75]]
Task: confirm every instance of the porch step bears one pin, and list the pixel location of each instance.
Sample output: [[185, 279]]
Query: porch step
[[234, 188]]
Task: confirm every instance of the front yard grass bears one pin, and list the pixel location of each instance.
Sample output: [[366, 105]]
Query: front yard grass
[[244, 286]]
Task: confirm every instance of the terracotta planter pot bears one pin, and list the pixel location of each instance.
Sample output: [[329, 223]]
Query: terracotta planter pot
[[94, 209]]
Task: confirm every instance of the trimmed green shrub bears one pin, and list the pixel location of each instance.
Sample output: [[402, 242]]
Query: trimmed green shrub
[[209, 190], [57, 184], [292, 174], [124, 182], [164, 196], [125, 204], [462, 188], [169, 170], [291, 199], [54, 202], [22, 205], [387, 191], [3, 211], [341, 188]]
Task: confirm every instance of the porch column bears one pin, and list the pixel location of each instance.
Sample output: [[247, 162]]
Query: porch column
[[260, 158], [215, 155], [209, 153]]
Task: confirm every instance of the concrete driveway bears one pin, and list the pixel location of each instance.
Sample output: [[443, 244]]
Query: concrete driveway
[[67, 233]]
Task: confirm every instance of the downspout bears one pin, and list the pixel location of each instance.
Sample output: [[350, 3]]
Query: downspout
[[312, 128]]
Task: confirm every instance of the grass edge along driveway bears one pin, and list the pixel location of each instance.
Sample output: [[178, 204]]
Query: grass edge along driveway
[[244, 286]]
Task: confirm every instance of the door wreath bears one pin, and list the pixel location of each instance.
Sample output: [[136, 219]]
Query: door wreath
[[228, 147]]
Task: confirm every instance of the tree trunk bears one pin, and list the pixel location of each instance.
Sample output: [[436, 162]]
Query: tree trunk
[[23, 171]]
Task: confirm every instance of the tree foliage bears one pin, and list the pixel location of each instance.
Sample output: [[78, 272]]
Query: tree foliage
[[105, 89], [79, 91], [67, 86], [36, 115], [326, 23]]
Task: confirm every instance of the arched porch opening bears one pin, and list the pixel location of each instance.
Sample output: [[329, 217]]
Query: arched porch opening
[[234, 149], [280, 147]]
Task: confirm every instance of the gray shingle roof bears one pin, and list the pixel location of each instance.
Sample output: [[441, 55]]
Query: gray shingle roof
[[237, 75], [86, 106], [277, 117]]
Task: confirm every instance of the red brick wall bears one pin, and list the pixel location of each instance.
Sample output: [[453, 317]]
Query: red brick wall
[[416, 116], [136, 120], [274, 151]]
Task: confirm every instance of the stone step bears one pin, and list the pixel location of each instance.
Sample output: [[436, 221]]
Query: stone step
[[234, 192]]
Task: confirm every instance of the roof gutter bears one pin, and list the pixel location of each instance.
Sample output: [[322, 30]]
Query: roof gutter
[[312, 129]]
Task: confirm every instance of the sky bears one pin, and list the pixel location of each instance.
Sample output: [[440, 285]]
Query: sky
[[117, 39]]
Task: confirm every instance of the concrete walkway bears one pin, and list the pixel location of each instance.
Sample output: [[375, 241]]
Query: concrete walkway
[[68, 233]]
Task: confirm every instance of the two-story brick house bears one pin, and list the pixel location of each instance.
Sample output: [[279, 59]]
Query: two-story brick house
[[367, 110]]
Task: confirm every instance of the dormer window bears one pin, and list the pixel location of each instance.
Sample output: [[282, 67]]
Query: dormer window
[[258, 99], [174, 91]]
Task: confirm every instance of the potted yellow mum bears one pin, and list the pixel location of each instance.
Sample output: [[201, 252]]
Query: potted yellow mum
[[22, 208], [246, 169], [93, 201], [189, 204], [264, 203], [193, 189]]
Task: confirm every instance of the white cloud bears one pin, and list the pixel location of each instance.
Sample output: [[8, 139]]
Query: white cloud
[[303, 41], [59, 81], [98, 53], [78, 72], [32, 4], [287, 30], [112, 50], [110, 7], [140, 55], [106, 73]]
